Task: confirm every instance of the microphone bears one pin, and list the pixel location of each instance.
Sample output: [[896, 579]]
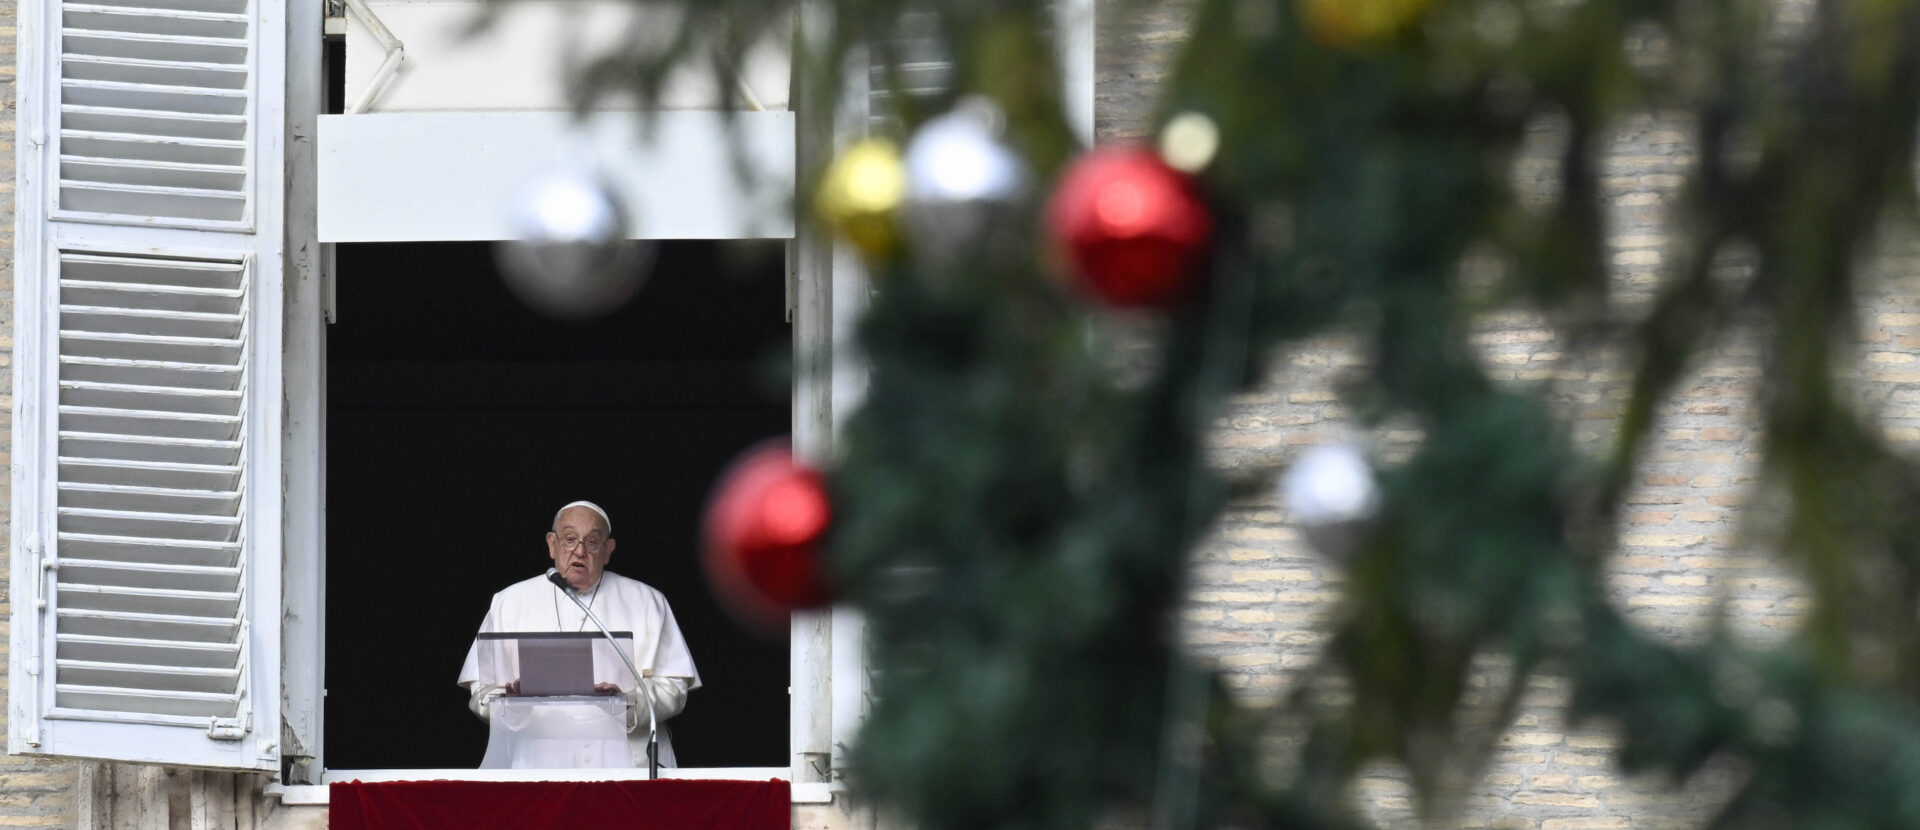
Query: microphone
[[653, 723]]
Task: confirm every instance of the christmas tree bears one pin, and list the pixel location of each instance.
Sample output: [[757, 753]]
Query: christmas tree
[[1053, 331]]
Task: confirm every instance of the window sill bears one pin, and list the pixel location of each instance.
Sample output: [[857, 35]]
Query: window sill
[[316, 794]]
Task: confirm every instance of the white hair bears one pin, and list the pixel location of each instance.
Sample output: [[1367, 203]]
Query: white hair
[[588, 505]]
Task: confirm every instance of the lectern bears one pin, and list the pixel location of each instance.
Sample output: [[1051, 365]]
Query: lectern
[[556, 722]]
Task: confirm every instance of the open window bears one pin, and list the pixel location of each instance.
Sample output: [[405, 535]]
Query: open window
[[444, 392], [458, 420]]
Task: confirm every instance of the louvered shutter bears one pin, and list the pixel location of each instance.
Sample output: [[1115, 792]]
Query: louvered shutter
[[154, 99], [146, 509]]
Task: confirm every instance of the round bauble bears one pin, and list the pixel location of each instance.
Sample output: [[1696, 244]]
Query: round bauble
[[764, 528], [1331, 495], [860, 196], [1189, 141], [962, 182], [1133, 230], [571, 257]]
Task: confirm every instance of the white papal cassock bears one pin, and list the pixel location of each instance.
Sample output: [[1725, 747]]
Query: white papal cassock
[[624, 605]]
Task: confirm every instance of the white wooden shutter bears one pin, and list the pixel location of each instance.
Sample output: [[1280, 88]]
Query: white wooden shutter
[[146, 533]]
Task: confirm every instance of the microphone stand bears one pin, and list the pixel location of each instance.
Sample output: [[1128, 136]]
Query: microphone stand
[[640, 684]]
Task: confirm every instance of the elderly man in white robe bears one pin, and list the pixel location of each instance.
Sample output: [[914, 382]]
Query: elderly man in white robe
[[580, 544]]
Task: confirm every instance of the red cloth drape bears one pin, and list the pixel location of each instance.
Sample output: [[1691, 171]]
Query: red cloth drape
[[668, 804]]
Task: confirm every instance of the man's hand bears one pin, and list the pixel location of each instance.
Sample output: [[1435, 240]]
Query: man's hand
[[513, 687], [605, 689]]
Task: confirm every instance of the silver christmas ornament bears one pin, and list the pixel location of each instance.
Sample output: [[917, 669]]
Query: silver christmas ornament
[[572, 259], [962, 181], [1331, 494]]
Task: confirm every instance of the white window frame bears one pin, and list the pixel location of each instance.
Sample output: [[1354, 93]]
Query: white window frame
[[308, 305]]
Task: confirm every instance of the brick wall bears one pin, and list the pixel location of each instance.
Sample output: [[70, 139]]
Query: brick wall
[[33, 792], [1260, 591]]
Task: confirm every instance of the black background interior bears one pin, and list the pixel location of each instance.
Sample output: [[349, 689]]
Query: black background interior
[[458, 421]]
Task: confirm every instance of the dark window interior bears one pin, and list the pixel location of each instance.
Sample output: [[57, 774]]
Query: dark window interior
[[458, 421]]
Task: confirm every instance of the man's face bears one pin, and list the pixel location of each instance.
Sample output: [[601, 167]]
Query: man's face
[[580, 547]]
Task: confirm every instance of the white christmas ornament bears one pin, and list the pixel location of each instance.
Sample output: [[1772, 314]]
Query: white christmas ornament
[[572, 258], [960, 178], [957, 158], [1331, 493], [1189, 142]]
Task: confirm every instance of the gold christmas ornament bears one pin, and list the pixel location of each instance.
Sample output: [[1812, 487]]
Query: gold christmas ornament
[[1343, 24], [861, 194]]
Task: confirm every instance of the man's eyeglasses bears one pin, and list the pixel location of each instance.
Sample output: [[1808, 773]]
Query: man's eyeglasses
[[573, 543]]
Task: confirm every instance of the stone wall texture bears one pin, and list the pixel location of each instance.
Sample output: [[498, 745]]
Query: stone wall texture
[[1260, 593]]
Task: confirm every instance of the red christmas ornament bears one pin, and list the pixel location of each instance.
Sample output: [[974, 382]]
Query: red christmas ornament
[[1134, 229], [764, 526]]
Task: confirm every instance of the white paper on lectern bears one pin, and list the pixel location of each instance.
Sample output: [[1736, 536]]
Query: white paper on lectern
[[498, 656]]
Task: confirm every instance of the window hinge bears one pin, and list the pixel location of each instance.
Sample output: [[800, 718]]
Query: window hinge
[[228, 729], [48, 564]]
